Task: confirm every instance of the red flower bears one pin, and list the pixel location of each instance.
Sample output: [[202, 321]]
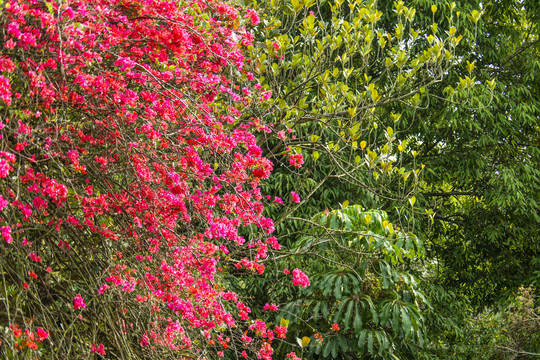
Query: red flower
[[296, 160], [16, 331], [42, 334], [100, 349]]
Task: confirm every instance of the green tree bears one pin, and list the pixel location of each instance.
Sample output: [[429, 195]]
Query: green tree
[[429, 114], [363, 281]]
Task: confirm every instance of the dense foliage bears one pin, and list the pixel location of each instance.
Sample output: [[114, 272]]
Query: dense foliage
[[293, 179]]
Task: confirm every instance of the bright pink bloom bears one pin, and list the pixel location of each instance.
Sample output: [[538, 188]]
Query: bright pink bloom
[[293, 356], [296, 160], [98, 349], [281, 331], [269, 307], [78, 302], [102, 289], [300, 278], [42, 334], [34, 257], [5, 90], [295, 197], [253, 16], [6, 233]]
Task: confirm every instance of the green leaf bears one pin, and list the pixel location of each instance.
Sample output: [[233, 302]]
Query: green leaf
[[370, 342], [357, 320], [347, 318], [406, 322]]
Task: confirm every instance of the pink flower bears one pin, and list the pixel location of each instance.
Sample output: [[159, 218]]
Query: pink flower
[[5, 168], [269, 307], [3, 203], [144, 341], [34, 257], [6, 233], [5, 90], [335, 327], [253, 16], [300, 278], [272, 241], [42, 334], [281, 331], [98, 349], [293, 356], [296, 160], [286, 271], [78, 302], [103, 288], [295, 197]]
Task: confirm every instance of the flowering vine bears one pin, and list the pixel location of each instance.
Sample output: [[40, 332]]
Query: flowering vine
[[129, 178]]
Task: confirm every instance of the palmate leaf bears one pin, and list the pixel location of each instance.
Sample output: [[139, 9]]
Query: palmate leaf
[[365, 299]]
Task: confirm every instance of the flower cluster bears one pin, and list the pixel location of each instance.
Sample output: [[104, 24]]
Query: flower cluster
[[130, 166], [300, 278], [27, 339]]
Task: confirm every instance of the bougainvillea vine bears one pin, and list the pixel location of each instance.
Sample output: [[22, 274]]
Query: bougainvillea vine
[[129, 179]]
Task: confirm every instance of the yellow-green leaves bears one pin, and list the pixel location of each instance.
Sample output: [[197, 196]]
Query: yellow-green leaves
[[367, 219], [372, 155], [475, 16], [470, 66], [297, 5]]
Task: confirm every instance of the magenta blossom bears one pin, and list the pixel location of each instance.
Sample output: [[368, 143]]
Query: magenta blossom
[[78, 302], [300, 278]]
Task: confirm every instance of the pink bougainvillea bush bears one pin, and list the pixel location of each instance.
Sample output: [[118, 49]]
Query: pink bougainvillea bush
[[129, 180]]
